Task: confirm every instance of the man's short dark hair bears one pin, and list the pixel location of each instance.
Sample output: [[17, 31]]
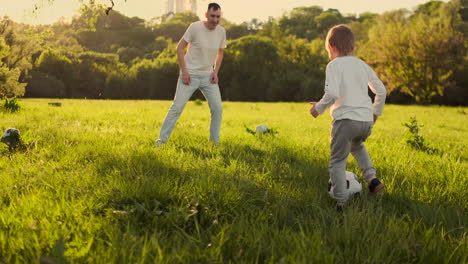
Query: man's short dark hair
[[213, 6]]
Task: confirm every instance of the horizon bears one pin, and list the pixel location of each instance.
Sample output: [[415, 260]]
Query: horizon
[[22, 11]]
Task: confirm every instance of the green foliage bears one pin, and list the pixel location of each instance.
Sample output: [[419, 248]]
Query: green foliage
[[416, 55], [9, 84], [54, 63], [43, 85], [301, 22], [11, 104], [300, 73], [247, 79], [174, 27], [234, 31], [326, 20], [22, 41], [414, 139], [112, 29], [198, 102], [126, 55], [9, 78], [118, 86], [154, 78]]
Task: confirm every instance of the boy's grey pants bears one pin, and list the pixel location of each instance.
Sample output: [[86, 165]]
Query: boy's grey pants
[[348, 136], [183, 94]]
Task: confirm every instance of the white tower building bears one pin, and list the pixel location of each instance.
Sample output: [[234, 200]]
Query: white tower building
[[177, 6], [170, 7]]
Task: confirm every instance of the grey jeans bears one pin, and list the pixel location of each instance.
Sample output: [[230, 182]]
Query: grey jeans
[[183, 94], [348, 136]]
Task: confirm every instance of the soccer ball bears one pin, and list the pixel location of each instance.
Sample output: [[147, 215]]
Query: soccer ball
[[261, 129], [353, 185], [11, 137]]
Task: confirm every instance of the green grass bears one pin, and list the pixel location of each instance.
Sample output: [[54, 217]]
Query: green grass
[[95, 189]]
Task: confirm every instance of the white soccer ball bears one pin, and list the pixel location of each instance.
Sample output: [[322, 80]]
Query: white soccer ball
[[353, 185], [11, 137], [261, 129]]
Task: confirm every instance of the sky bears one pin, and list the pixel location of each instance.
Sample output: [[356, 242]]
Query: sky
[[234, 10]]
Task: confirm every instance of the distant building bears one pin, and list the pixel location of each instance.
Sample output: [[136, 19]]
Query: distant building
[[177, 6]]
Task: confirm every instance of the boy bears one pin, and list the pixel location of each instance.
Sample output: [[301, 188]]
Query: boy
[[346, 84]]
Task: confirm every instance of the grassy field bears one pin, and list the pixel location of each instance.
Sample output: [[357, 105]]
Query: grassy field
[[93, 188]]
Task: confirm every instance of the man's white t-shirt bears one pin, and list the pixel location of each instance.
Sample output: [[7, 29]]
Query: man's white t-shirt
[[203, 47], [347, 79]]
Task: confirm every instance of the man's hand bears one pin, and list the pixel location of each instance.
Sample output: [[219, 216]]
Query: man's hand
[[186, 78], [375, 119], [214, 78], [313, 111]]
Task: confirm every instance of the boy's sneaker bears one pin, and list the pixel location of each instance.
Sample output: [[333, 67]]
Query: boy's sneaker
[[375, 186], [339, 208]]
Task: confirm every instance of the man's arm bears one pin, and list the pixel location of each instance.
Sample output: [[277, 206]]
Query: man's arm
[[219, 60], [180, 55]]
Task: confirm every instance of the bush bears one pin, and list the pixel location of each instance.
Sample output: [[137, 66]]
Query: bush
[[414, 139], [11, 104]]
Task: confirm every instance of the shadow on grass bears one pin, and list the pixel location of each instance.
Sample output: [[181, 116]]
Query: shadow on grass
[[253, 193]]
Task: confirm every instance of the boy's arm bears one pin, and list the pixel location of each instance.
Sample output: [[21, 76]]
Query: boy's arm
[[326, 101], [332, 82], [378, 88]]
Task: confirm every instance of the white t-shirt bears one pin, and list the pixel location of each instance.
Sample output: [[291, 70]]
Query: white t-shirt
[[203, 47], [347, 79]]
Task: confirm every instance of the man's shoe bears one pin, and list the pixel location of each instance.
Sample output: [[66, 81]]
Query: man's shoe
[[160, 143]]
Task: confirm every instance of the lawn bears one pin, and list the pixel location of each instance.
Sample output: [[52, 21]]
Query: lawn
[[92, 187]]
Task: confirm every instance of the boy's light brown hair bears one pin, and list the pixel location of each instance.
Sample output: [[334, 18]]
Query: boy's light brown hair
[[341, 37]]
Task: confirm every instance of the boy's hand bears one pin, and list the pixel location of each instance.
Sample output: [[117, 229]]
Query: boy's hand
[[375, 119], [313, 111]]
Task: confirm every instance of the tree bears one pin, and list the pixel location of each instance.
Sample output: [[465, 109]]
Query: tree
[[56, 71], [235, 31], [174, 27], [360, 28], [45, 85], [301, 71], [249, 64], [326, 20], [109, 30], [9, 84], [301, 22], [23, 42], [156, 79], [416, 55]]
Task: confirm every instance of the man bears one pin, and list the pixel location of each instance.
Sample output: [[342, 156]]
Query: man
[[206, 41]]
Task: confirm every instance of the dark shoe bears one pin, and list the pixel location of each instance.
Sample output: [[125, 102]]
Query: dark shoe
[[375, 186], [339, 208]]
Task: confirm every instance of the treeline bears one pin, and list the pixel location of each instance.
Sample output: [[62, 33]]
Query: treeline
[[421, 55]]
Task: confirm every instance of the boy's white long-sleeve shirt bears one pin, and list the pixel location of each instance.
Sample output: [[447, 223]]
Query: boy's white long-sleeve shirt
[[347, 79]]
